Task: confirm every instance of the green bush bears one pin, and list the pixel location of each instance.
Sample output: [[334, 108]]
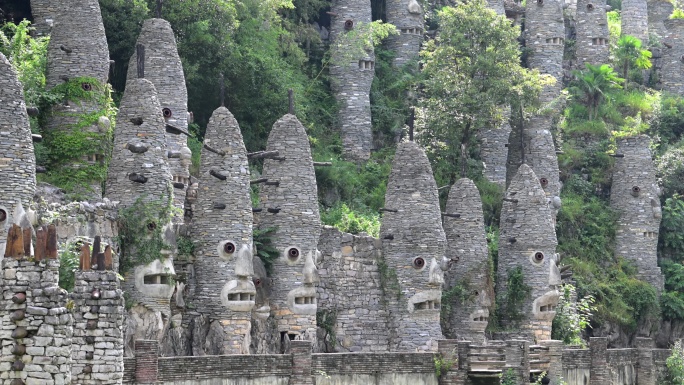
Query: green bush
[[352, 221], [69, 261], [675, 366]]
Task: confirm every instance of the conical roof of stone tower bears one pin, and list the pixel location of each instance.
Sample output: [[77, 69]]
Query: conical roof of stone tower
[[412, 191], [297, 193], [78, 45], [466, 239], [211, 223], [18, 172], [139, 124], [526, 214]]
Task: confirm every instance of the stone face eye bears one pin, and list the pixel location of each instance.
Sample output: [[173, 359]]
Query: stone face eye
[[418, 263], [292, 254], [257, 282], [87, 86], [167, 112], [590, 6], [544, 182], [540, 2], [538, 256], [349, 25], [635, 191], [151, 226], [229, 248], [3, 215]]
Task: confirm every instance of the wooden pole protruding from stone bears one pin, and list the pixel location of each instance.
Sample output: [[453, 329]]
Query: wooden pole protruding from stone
[[108, 261], [84, 260], [27, 240], [222, 95], [411, 123], [140, 49], [290, 102], [15, 243], [97, 241], [100, 261], [41, 244], [51, 242], [160, 3]]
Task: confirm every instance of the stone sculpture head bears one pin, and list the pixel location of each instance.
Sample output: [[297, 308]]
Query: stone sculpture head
[[238, 294]]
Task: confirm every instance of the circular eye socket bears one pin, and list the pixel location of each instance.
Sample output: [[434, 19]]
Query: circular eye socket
[[544, 182], [87, 86], [418, 263], [590, 6], [293, 254], [348, 24], [229, 248], [538, 256], [151, 226], [540, 2], [636, 190], [167, 112], [3, 215], [476, 293], [681, 58], [257, 282]]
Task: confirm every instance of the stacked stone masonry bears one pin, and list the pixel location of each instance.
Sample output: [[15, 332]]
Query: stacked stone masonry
[[17, 161], [290, 203], [97, 350], [493, 152], [528, 242], [43, 12], [634, 15], [545, 38], [222, 228], [540, 155], [164, 69], [658, 12], [413, 248], [407, 16], [467, 249], [352, 70], [635, 197], [672, 73], [592, 33]]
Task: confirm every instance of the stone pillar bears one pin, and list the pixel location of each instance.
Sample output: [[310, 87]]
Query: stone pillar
[[17, 163], [635, 20], [555, 357], [517, 359], [43, 12], [494, 150], [413, 247], [407, 16], [545, 38], [540, 154], [449, 351], [634, 196], [592, 33], [301, 363], [672, 73], [146, 361], [646, 372], [97, 354], [467, 317], [352, 70], [164, 69], [658, 12], [599, 374]]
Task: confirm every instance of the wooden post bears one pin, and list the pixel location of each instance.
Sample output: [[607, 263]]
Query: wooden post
[[101, 261], [51, 242], [159, 8], [84, 260], [290, 102], [27, 240], [140, 49], [15, 243], [108, 263], [412, 120], [96, 250], [41, 244], [222, 95]]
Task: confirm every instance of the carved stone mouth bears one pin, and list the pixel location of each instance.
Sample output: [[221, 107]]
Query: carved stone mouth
[[544, 307], [262, 312], [155, 279], [480, 315], [425, 301], [302, 300], [239, 295]]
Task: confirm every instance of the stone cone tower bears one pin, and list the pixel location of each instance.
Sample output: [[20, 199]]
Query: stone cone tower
[[545, 38], [164, 69], [635, 19], [540, 154], [413, 246], [634, 196], [527, 258], [78, 64], [222, 230], [43, 12], [18, 166], [352, 71], [407, 16], [672, 72], [290, 202], [592, 33], [467, 249], [494, 151], [658, 12]]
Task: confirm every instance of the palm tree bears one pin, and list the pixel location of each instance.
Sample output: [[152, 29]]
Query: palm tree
[[629, 54], [592, 84]]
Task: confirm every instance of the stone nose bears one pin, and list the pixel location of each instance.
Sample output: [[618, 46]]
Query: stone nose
[[310, 271], [243, 263], [436, 276]]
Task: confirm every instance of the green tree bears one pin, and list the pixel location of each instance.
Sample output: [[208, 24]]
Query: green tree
[[471, 70], [630, 55], [28, 56], [592, 84]]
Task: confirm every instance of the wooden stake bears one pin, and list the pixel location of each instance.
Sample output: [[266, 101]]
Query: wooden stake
[[222, 95], [140, 49], [159, 8], [108, 262], [290, 100], [51, 242], [41, 243], [412, 120], [96, 249], [101, 262], [84, 260], [15, 243], [27, 241]]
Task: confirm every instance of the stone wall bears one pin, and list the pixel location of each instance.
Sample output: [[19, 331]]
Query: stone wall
[[17, 161], [634, 196], [527, 241], [289, 201], [467, 249], [413, 248], [164, 69], [222, 231], [635, 19], [97, 355], [352, 70], [591, 43], [494, 151], [658, 12], [43, 12], [545, 38], [672, 73], [407, 16], [351, 293]]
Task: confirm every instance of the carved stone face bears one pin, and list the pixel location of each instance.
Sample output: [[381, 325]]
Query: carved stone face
[[302, 300], [238, 294], [430, 298], [480, 316], [544, 307], [155, 280]]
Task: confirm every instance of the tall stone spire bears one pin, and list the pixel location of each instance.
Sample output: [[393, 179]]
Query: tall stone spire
[[290, 203], [467, 248], [352, 71], [634, 14], [413, 246], [527, 244], [592, 33], [658, 12], [222, 230], [672, 72], [545, 38], [17, 161], [407, 16], [164, 69]]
